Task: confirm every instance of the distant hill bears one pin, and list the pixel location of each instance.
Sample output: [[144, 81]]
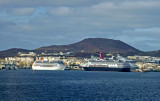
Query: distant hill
[[12, 52], [153, 53], [92, 45], [86, 47]]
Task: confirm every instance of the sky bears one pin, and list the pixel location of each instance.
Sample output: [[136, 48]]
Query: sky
[[30, 24]]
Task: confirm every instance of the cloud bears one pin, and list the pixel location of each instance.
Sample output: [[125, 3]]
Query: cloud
[[5, 23], [125, 5], [148, 30], [60, 11], [11, 3], [22, 11], [134, 22]]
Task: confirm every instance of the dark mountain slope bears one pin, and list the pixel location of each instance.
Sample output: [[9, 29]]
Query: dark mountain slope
[[86, 46], [92, 45], [12, 52]]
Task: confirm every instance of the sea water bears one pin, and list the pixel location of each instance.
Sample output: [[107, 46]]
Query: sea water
[[26, 85]]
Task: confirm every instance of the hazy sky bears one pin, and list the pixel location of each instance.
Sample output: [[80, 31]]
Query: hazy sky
[[31, 24]]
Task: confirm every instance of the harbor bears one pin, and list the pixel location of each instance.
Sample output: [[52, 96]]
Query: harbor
[[136, 63], [79, 50]]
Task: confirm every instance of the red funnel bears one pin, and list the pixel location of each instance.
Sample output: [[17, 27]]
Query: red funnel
[[41, 59], [100, 55]]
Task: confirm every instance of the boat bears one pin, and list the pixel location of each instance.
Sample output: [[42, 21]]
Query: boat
[[101, 64], [143, 70], [48, 65]]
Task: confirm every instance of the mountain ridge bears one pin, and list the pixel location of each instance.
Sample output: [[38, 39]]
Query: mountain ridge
[[89, 45], [12, 52], [93, 45]]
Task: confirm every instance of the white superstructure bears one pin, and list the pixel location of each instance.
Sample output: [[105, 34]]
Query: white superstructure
[[102, 64], [132, 63], [48, 65]]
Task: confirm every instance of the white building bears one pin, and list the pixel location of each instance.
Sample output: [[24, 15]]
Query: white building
[[20, 61], [27, 54]]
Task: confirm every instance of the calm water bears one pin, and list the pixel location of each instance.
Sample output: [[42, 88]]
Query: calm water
[[22, 85]]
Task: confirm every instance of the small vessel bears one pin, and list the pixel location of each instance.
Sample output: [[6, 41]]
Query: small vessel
[[101, 64], [48, 65], [143, 70]]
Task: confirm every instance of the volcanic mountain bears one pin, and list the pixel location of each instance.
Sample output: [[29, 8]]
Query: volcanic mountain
[[92, 45]]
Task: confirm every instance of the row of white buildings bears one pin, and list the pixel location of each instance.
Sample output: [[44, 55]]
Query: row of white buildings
[[27, 61]]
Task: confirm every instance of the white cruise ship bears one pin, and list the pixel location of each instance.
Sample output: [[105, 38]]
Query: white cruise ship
[[102, 64], [46, 65]]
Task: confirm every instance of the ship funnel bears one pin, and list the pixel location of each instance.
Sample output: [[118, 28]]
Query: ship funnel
[[41, 59], [100, 55]]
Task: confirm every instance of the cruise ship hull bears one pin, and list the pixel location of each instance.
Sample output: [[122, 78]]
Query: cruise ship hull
[[46, 65], [106, 69], [48, 68]]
